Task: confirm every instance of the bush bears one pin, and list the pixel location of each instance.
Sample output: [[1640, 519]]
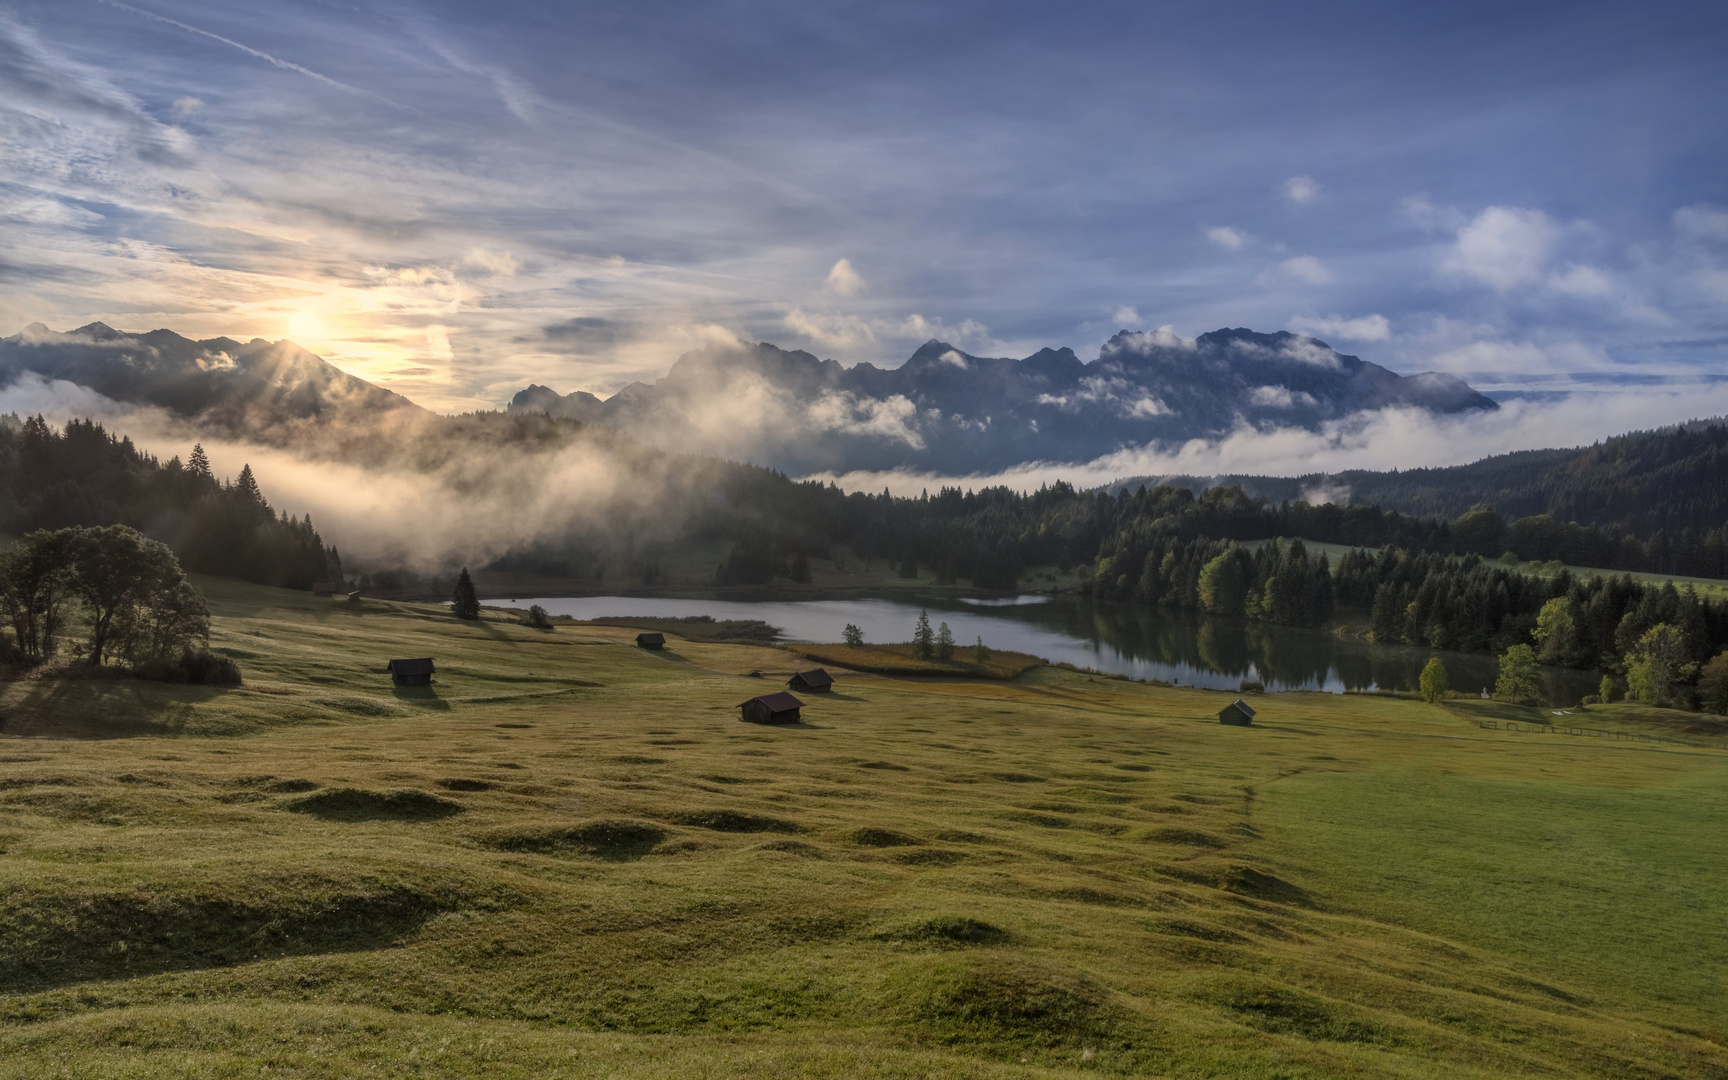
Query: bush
[[537, 618], [852, 635], [200, 668], [1434, 683]]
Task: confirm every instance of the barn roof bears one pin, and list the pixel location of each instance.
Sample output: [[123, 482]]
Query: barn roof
[[1243, 705], [656, 636], [420, 666], [814, 677], [779, 702]]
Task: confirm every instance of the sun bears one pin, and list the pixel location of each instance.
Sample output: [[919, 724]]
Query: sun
[[305, 325]]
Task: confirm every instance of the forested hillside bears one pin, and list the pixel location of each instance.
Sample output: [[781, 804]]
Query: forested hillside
[[82, 475], [1665, 489]]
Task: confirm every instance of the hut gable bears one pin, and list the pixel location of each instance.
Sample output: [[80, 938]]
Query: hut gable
[[779, 708], [416, 672], [650, 641], [1236, 714], [815, 681]]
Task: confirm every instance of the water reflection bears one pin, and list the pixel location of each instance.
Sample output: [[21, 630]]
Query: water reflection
[[1143, 643]]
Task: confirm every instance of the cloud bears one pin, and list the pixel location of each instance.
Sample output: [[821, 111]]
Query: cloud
[[1126, 316], [1504, 246], [1279, 397], [831, 331], [1302, 190], [187, 106], [1701, 221], [844, 280], [1228, 238], [953, 359], [1581, 280], [1366, 328], [501, 263], [1382, 439], [1303, 269]]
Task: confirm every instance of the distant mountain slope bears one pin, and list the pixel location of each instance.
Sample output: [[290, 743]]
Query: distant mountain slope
[[250, 387], [950, 411], [1644, 482]]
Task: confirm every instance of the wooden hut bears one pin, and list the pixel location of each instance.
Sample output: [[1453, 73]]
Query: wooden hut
[[650, 641], [411, 672], [1237, 714], [324, 588], [354, 597], [814, 681], [778, 708]]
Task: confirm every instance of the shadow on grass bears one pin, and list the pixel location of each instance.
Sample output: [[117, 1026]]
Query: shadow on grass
[[107, 708], [424, 696]]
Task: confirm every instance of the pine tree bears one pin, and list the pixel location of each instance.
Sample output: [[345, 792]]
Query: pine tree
[[465, 603], [944, 643], [923, 638], [980, 651], [199, 463], [246, 486]]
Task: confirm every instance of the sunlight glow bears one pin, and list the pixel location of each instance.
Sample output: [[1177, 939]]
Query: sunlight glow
[[305, 325]]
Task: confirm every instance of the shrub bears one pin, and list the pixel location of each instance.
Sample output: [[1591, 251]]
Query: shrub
[[537, 618], [1434, 684], [852, 635]]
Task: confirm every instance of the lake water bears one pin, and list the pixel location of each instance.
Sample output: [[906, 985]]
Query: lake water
[[1142, 643]]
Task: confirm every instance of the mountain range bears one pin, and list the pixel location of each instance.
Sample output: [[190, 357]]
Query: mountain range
[[258, 388], [949, 411]]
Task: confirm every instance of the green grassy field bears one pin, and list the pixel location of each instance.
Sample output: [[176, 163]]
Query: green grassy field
[[569, 858]]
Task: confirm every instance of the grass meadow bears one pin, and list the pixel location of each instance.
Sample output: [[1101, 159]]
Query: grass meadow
[[568, 857]]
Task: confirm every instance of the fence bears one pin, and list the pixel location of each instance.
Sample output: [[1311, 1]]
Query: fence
[[1583, 732]]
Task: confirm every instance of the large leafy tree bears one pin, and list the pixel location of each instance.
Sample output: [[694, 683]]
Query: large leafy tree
[[136, 598], [1520, 677], [1658, 664], [1434, 682], [35, 584]]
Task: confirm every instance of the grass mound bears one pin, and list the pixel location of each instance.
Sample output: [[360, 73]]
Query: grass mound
[[607, 839], [459, 783], [946, 930], [1187, 837], [872, 836], [355, 804], [1000, 1001], [898, 660], [1286, 1010], [734, 821], [291, 786], [49, 937]]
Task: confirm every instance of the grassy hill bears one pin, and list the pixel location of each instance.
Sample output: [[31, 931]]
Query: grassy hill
[[569, 858]]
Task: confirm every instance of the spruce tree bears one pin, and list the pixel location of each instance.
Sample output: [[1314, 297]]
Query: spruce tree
[[199, 463], [944, 643], [923, 638], [465, 602]]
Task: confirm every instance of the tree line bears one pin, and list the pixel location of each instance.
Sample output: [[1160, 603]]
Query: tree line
[[81, 475], [127, 592]]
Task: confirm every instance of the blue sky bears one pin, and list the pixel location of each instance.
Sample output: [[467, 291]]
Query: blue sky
[[457, 199]]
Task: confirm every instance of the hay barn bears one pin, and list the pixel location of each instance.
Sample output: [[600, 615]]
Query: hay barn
[[780, 708], [815, 681], [324, 588], [650, 641], [1237, 714], [417, 672]]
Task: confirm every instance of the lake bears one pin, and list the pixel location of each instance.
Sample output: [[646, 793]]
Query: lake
[[1141, 643]]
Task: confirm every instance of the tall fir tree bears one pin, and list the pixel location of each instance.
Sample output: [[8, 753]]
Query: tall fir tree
[[199, 463], [465, 602], [923, 638]]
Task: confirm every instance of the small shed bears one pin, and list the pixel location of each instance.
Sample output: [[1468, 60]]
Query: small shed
[[650, 641], [354, 597], [815, 681], [780, 708], [416, 672], [1237, 714], [324, 588]]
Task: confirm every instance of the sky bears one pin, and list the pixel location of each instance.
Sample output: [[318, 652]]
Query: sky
[[457, 199]]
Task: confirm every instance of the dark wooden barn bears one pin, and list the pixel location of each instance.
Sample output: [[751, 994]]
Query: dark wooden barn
[[650, 641], [815, 681], [780, 708], [411, 672], [325, 588], [1237, 714]]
